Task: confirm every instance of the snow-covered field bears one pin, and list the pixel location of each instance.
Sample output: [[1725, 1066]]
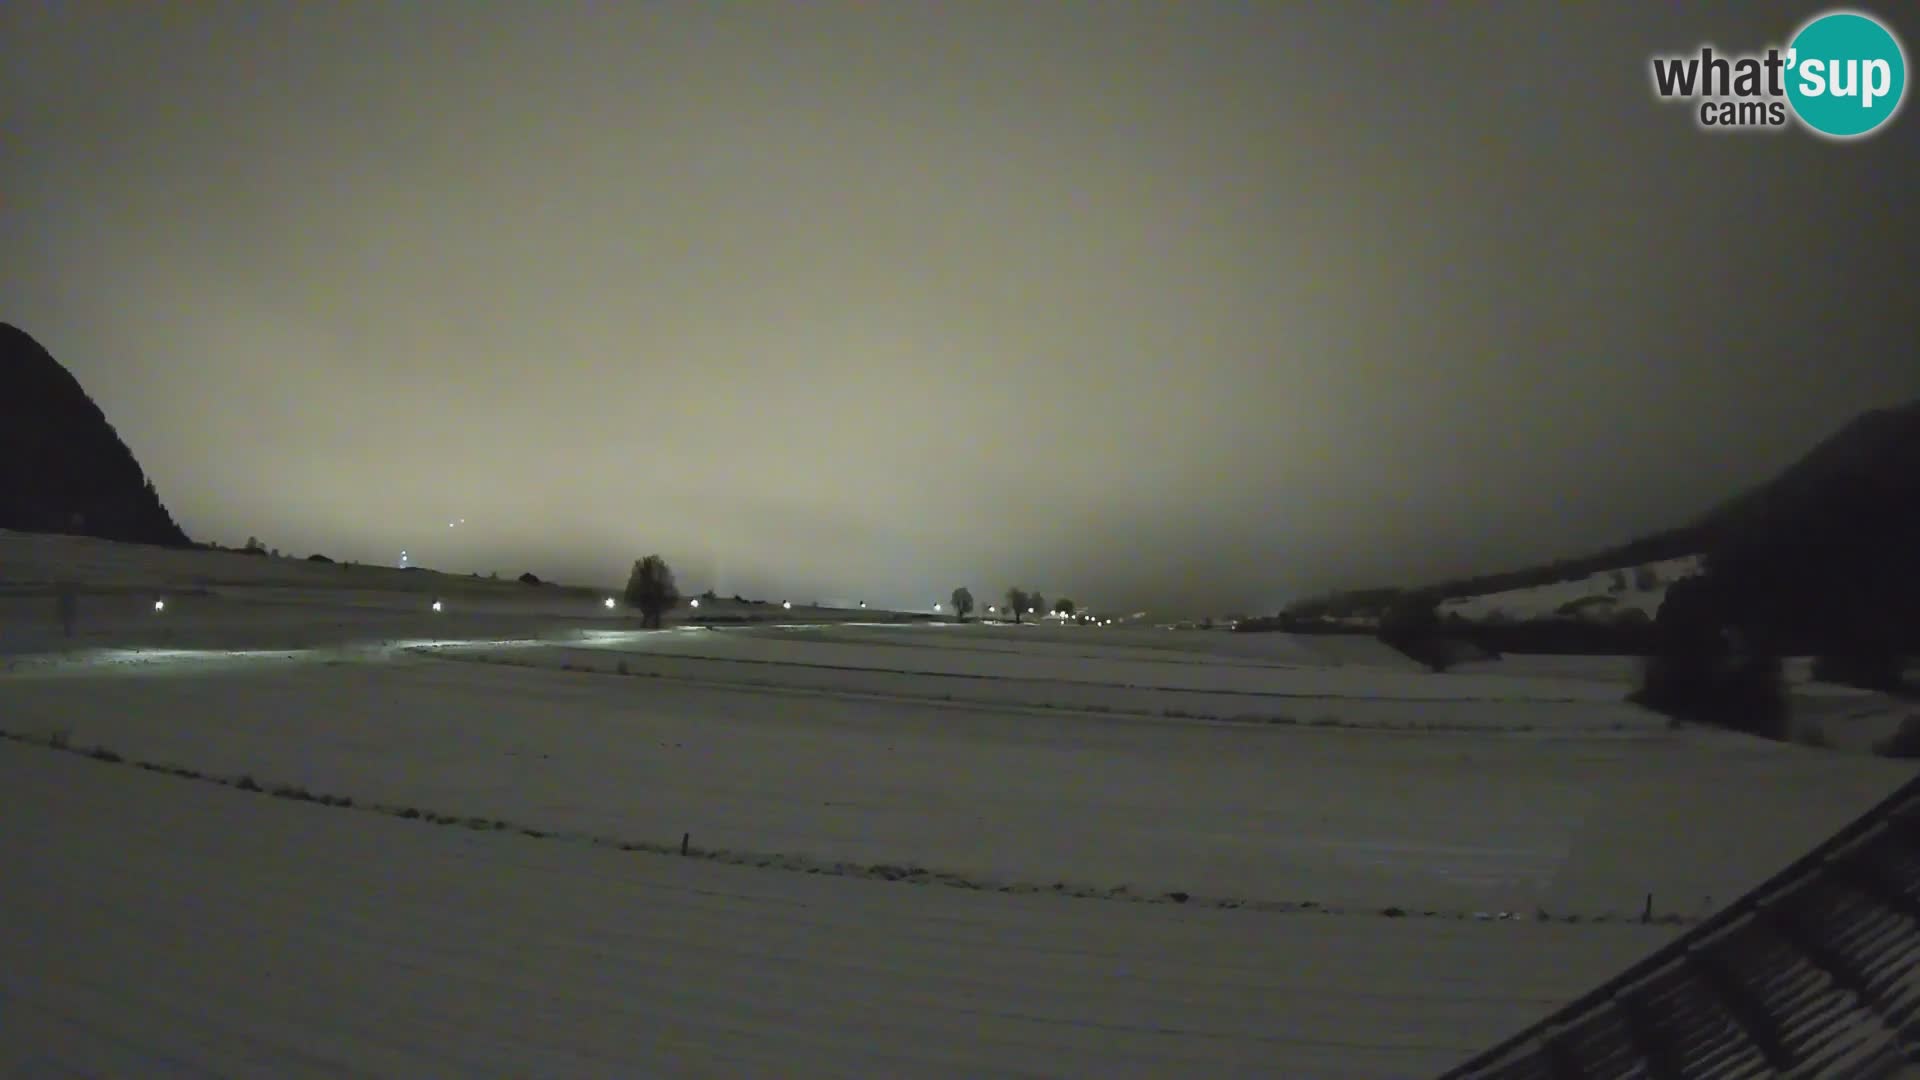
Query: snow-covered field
[[159, 927], [911, 850]]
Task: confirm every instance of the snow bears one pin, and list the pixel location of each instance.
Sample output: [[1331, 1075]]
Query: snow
[[1270, 812], [1544, 600], [159, 927], [1098, 874]]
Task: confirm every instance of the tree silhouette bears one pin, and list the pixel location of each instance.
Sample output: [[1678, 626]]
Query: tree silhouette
[[1411, 624], [651, 589], [962, 602], [1064, 606], [1017, 600]]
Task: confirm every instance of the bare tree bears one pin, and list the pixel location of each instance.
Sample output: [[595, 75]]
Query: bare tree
[[651, 589], [1017, 601], [963, 602]]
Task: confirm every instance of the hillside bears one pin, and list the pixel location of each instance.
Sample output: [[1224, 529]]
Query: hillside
[[63, 468], [1830, 550], [1853, 497], [1874, 461]]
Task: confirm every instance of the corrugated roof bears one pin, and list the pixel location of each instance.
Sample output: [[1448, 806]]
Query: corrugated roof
[[1816, 973]]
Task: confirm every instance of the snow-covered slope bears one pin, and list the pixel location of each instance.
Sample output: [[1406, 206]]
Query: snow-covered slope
[[1639, 588]]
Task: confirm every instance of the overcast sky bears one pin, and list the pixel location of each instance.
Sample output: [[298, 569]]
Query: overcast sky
[[1180, 305]]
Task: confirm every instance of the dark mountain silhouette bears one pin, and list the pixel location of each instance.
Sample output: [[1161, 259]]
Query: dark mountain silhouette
[[1828, 553], [1845, 516], [62, 466], [1873, 460]]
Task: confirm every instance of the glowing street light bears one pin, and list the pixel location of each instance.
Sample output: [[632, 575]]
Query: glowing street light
[[159, 605], [936, 607], [695, 602], [436, 605], [788, 604], [609, 603]]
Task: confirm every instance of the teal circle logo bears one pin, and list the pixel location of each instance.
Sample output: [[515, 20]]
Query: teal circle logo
[[1846, 74]]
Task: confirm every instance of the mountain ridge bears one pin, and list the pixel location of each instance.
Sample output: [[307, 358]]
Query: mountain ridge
[[63, 467]]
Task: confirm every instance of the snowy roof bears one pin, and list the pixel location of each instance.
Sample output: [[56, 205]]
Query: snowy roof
[[1810, 974]]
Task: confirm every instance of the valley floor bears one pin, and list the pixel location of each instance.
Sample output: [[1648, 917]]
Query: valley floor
[[911, 850], [161, 927]]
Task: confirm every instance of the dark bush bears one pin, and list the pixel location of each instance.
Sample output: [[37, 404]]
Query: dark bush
[[1689, 647], [317, 557], [1704, 670], [529, 578], [1904, 742], [1412, 625]]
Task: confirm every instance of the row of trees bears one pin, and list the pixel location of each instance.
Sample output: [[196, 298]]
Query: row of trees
[[651, 589], [1019, 602]]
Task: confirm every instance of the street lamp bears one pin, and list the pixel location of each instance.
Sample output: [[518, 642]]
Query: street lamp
[[609, 603]]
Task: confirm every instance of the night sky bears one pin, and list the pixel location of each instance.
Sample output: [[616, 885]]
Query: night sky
[[1183, 306]]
